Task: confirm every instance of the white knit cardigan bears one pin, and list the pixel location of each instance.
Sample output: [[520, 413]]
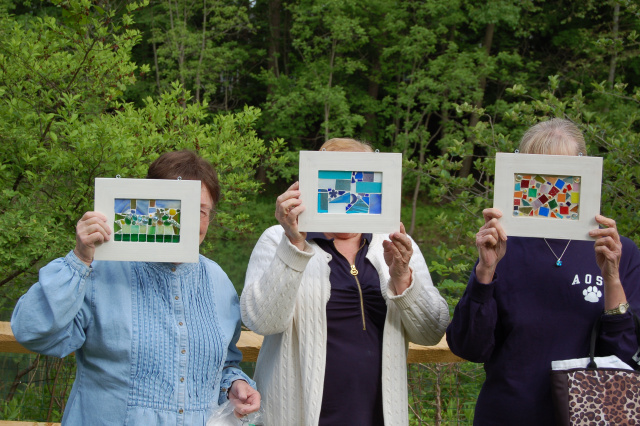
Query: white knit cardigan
[[284, 298]]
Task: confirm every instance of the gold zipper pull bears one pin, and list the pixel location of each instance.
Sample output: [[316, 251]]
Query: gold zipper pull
[[354, 272]]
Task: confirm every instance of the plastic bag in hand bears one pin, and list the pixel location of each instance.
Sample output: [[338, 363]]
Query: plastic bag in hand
[[223, 416]]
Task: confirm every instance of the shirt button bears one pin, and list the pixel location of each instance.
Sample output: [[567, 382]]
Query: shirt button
[[177, 298], [180, 323], [183, 351], [181, 411], [182, 379]]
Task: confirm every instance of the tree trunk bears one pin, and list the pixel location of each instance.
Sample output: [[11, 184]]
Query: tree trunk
[[275, 7], [327, 107], [444, 120], [467, 162], [178, 48], [181, 56], [286, 36], [374, 88], [203, 46], [438, 390], [416, 190], [155, 52], [614, 36]]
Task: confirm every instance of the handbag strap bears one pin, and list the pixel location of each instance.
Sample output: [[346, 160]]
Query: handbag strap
[[595, 332], [636, 320]]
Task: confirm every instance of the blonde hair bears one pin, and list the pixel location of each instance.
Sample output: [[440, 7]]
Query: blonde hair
[[555, 137], [346, 144]]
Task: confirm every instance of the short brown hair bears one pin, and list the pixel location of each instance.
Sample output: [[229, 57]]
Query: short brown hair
[[187, 165], [346, 144], [552, 136]]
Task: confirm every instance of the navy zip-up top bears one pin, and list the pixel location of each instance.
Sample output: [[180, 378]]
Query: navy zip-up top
[[353, 374]]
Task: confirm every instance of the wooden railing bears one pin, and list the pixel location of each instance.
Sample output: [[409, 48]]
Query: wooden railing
[[249, 344]]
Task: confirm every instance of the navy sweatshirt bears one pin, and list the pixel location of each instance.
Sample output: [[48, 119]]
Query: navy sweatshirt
[[535, 312]]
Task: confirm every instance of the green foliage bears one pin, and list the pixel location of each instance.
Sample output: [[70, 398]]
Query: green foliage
[[193, 43], [610, 123], [35, 387], [11, 410], [225, 240], [63, 124], [325, 37], [443, 394], [87, 91], [57, 77]]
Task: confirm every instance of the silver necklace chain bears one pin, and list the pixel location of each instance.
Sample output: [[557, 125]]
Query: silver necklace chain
[[558, 259]]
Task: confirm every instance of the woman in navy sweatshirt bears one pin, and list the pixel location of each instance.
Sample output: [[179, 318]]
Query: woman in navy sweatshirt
[[530, 301]]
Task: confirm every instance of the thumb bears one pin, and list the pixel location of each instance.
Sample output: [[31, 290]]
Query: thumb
[[241, 393]]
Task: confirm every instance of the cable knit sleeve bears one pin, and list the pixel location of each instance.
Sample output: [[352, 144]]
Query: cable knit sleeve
[[272, 282], [424, 312]]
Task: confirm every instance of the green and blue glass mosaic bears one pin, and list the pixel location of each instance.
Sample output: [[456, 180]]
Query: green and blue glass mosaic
[[147, 221]]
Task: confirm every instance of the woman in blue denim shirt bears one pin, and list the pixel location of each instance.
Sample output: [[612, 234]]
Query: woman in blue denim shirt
[[155, 343]]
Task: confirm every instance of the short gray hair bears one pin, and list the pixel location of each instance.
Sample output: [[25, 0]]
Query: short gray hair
[[554, 136], [347, 145]]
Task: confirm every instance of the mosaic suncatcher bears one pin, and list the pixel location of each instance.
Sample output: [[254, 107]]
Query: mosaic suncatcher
[[556, 197], [348, 192], [151, 221]]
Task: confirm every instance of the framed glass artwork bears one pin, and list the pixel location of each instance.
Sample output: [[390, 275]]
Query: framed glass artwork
[[550, 196], [350, 191], [151, 219]]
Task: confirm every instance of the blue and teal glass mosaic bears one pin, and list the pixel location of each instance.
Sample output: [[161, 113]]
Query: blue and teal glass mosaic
[[349, 192], [147, 221]]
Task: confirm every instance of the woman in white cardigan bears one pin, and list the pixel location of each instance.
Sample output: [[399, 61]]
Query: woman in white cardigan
[[337, 312]]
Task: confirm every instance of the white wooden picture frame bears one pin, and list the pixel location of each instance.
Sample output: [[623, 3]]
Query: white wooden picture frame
[[553, 216], [387, 167], [177, 223]]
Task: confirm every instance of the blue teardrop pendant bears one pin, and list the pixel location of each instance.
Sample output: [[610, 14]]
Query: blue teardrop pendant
[[559, 262]]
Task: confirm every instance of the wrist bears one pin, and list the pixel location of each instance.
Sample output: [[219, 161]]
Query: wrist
[[612, 282], [298, 241], [399, 284], [484, 274], [85, 259], [619, 309]]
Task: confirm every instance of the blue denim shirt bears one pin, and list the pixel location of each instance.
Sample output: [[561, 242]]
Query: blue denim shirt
[[155, 343]]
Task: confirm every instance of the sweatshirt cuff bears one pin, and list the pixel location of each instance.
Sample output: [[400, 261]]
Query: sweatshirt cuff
[[292, 256], [481, 293], [76, 264], [617, 323]]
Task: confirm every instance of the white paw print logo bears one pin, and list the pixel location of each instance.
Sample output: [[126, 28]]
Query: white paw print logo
[[592, 294]]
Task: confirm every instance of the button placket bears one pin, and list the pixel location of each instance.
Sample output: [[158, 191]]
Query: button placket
[[179, 312]]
